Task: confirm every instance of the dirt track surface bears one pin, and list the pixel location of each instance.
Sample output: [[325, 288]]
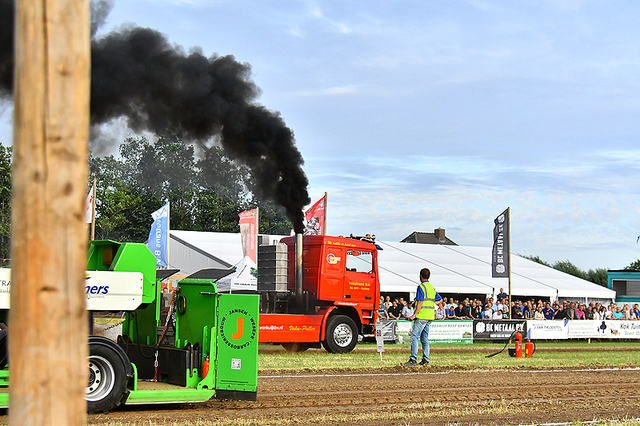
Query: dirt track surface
[[419, 396]]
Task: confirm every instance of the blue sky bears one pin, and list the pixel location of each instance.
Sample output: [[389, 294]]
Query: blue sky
[[414, 115]]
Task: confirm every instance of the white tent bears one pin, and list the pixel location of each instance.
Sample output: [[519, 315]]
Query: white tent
[[460, 270], [191, 251], [454, 269], [243, 278]]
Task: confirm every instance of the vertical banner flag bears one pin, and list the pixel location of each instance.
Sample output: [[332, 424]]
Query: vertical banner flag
[[89, 204], [249, 233], [500, 252], [159, 236], [315, 218]]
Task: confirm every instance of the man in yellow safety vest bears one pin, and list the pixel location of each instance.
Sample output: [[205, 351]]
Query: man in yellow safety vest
[[426, 297]]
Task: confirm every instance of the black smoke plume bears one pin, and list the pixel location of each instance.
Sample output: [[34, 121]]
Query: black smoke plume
[[137, 74]]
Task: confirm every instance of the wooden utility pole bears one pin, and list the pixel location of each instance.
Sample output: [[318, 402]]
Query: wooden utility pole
[[48, 320]]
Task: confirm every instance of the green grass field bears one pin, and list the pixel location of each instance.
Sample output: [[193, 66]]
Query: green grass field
[[574, 354]]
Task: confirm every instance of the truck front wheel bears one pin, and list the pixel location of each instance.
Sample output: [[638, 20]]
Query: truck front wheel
[[107, 379], [341, 335]]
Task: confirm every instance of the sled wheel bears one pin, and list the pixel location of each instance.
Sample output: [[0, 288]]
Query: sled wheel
[[107, 380]]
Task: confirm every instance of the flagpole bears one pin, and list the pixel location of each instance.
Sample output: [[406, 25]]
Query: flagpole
[[324, 222], [509, 254], [93, 211], [168, 232]]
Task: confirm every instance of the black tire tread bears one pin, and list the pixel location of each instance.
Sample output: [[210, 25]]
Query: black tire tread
[[115, 397]]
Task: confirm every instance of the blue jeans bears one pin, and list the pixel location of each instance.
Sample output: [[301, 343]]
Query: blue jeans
[[420, 331]]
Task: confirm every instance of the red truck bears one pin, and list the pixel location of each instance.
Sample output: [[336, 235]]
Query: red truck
[[324, 291]]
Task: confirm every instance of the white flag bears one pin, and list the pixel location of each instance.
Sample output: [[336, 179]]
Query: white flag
[[89, 204]]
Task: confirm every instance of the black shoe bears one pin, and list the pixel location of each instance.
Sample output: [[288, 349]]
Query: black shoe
[[424, 362], [411, 363]]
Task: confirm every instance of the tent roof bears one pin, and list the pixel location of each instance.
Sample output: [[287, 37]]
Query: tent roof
[[456, 269], [221, 247], [240, 277]]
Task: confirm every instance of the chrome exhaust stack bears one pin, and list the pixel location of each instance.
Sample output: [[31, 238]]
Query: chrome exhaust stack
[[298, 288]]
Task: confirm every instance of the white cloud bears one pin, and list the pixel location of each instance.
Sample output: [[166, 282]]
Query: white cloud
[[329, 91]]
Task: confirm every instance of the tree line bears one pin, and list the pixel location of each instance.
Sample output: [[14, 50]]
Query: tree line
[[205, 188], [597, 276]]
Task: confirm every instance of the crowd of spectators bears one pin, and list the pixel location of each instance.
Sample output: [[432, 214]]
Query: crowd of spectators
[[451, 309], [397, 309]]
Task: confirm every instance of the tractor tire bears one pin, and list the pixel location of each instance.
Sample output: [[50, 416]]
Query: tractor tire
[[341, 335], [107, 379], [295, 347]]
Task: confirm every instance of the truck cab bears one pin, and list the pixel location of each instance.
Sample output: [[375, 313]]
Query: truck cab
[[340, 288]]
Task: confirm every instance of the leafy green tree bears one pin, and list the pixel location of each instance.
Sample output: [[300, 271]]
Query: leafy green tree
[[124, 214], [598, 276], [273, 220], [569, 268], [536, 259], [633, 266], [206, 192], [223, 176], [123, 206], [215, 214], [5, 202]]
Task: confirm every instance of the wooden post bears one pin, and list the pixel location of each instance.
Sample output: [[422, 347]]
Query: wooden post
[[48, 319]]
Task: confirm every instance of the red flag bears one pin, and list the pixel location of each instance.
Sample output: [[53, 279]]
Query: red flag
[[315, 218], [249, 233]]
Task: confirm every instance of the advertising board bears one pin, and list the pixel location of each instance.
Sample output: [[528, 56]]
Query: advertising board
[[497, 329], [548, 330], [454, 331]]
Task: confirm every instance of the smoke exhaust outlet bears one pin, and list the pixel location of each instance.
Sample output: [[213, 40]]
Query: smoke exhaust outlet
[[298, 290]]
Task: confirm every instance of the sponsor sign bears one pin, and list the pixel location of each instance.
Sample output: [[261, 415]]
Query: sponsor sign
[[500, 252], [104, 290], [238, 328], [497, 329], [548, 330], [583, 329], [159, 236], [249, 234], [5, 288], [454, 331], [620, 329], [587, 329]]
